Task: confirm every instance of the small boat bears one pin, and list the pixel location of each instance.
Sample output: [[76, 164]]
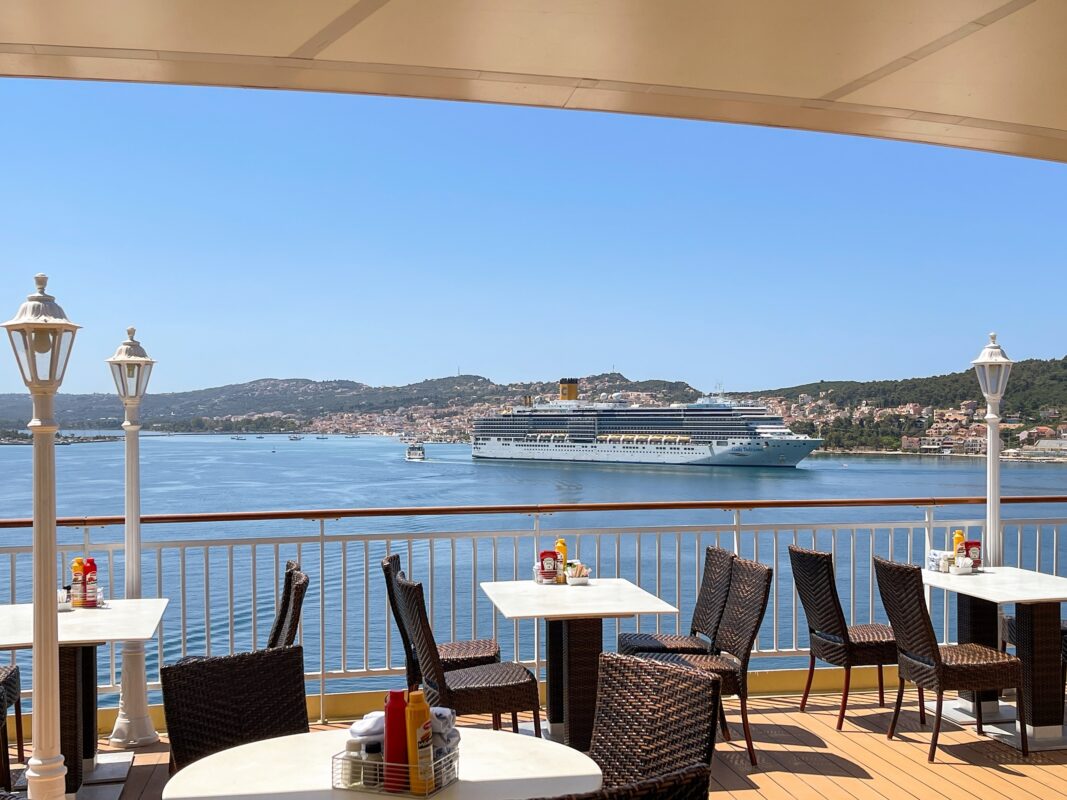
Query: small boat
[[238, 438], [294, 437], [351, 435], [322, 437], [259, 437], [415, 452]]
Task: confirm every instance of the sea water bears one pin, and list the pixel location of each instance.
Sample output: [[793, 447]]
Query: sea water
[[203, 473]]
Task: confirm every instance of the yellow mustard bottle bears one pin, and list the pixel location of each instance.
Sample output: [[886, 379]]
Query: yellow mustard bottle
[[959, 550], [561, 548], [420, 744]]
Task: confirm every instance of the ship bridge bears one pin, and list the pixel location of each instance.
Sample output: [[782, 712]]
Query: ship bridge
[[983, 74]]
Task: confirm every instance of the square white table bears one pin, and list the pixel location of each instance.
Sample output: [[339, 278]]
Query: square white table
[[574, 622], [80, 632], [1037, 599]]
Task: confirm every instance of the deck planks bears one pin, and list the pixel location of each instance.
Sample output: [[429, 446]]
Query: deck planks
[[802, 756]]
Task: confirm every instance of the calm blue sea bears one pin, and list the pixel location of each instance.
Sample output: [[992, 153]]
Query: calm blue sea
[[216, 473]]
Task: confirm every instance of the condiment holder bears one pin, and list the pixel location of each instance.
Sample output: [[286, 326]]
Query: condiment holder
[[357, 775]]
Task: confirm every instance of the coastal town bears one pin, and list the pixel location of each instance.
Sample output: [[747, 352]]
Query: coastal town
[[937, 431]]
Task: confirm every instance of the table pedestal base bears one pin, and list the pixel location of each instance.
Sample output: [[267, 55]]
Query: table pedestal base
[[1046, 737], [573, 655], [108, 768], [961, 712]]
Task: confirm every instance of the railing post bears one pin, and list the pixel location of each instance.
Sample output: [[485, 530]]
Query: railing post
[[322, 620], [737, 531], [928, 545]]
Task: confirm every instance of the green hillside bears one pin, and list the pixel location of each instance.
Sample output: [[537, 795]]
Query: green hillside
[[1034, 384]]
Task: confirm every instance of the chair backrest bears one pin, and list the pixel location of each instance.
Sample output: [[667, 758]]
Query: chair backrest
[[218, 702], [813, 574], [651, 718], [711, 599], [901, 588], [688, 783], [391, 568], [750, 587], [288, 622], [413, 612], [283, 603]]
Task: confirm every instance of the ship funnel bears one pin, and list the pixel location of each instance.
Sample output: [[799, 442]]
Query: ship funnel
[[568, 388]]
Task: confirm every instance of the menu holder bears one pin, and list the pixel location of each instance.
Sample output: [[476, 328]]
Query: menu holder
[[344, 776]]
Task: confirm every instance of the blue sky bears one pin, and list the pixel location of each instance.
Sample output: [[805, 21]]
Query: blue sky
[[255, 234]]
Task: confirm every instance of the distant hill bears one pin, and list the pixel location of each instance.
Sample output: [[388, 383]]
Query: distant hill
[[306, 399], [1034, 384]]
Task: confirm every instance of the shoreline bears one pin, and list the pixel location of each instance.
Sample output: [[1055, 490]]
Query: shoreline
[[981, 456]]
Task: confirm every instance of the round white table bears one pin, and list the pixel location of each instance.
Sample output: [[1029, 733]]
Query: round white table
[[493, 765]]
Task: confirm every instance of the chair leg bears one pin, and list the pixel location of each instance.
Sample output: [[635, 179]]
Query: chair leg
[[922, 707], [896, 709], [722, 722], [748, 732], [881, 687], [978, 715], [937, 725], [18, 731], [496, 721], [844, 698], [5, 756], [807, 686], [1020, 711], [537, 721], [514, 722]]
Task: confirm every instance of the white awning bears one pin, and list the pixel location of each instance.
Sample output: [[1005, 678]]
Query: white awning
[[984, 74]]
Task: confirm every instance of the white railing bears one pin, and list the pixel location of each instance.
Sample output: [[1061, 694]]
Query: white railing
[[224, 587]]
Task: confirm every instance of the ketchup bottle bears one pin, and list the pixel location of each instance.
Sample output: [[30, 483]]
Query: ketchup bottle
[[90, 583], [396, 741]]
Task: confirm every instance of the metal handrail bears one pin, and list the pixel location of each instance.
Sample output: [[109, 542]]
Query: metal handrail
[[533, 508]]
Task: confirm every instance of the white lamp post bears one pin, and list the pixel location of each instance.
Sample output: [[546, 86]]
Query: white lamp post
[[993, 367], [41, 336], [131, 367]]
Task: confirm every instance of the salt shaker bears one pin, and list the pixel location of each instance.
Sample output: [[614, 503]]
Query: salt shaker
[[372, 764], [352, 764]]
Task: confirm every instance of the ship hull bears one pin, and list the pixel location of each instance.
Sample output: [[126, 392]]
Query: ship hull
[[767, 453]]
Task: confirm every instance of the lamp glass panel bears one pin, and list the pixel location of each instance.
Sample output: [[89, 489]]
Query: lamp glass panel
[[20, 344], [117, 372], [142, 379], [129, 377], [66, 342], [42, 341]]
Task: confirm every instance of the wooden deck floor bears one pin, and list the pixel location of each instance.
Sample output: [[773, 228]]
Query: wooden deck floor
[[802, 756]]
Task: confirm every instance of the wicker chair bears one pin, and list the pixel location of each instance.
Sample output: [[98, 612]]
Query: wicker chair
[[10, 695], [750, 587], [287, 619], [453, 655], [222, 701], [495, 688], [711, 600], [651, 718], [967, 667], [832, 640], [689, 783]]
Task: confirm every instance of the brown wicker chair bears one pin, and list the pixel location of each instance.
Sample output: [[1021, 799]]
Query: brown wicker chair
[[222, 701], [495, 688], [453, 655], [832, 640], [287, 619], [689, 783], [10, 695], [711, 600], [750, 587], [651, 718], [939, 668]]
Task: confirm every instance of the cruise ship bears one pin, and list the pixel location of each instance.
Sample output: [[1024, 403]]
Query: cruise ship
[[713, 431]]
